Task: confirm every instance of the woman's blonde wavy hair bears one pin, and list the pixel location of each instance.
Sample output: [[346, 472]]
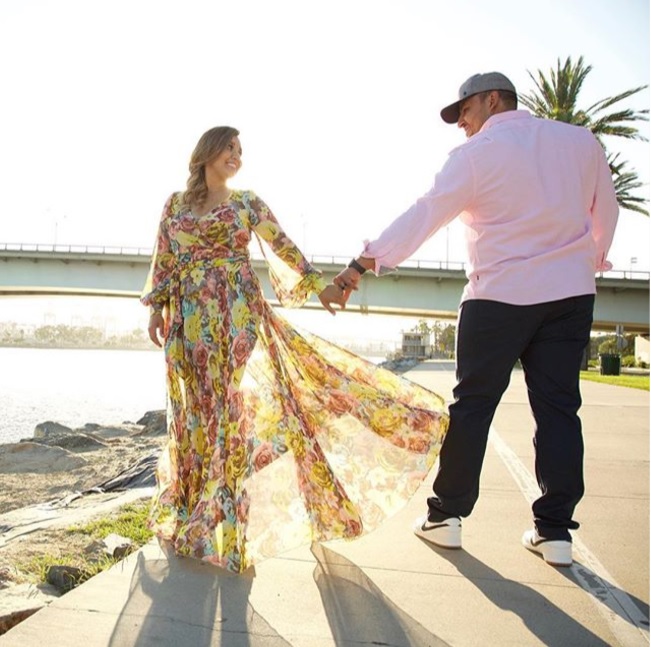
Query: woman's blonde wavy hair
[[210, 144]]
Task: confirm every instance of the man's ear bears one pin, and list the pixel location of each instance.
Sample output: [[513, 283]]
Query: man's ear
[[493, 99]]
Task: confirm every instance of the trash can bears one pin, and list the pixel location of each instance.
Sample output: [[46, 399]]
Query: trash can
[[610, 364]]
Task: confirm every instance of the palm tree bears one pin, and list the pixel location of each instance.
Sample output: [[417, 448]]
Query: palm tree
[[625, 182], [556, 98]]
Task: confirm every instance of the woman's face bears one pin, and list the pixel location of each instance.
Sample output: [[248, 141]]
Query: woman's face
[[228, 162]]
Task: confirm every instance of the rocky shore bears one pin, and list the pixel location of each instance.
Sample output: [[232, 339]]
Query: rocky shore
[[59, 477]]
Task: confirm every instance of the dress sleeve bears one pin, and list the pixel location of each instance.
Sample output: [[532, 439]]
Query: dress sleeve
[[156, 292], [295, 283]]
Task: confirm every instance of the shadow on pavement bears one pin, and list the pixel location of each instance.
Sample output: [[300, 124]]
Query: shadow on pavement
[[183, 602], [358, 612], [628, 607], [548, 622]]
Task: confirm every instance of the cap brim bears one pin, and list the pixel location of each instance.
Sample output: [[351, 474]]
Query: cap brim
[[450, 114]]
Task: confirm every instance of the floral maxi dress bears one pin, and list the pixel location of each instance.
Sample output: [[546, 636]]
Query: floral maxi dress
[[276, 438]]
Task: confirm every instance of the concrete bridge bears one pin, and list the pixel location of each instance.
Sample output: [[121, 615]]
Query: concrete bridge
[[419, 288]]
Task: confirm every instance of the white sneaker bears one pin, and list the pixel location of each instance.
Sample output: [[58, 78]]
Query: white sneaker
[[556, 552], [446, 533]]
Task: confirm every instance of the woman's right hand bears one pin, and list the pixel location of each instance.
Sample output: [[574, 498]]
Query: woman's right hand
[[156, 328], [333, 294]]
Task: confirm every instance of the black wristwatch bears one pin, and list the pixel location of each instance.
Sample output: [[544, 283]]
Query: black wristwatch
[[356, 266]]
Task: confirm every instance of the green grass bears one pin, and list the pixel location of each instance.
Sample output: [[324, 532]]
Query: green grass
[[630, 381], [39, 566], [130, 521]]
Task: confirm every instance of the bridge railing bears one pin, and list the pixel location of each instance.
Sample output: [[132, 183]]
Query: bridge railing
[[314, 258], [76, 249]]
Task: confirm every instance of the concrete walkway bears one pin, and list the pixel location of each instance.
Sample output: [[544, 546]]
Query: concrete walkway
[[390, 588]]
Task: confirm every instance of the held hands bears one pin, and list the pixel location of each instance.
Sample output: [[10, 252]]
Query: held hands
[[333, 294], [348, 279], [156, 328]]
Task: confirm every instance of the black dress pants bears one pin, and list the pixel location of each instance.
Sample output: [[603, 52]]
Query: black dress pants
[[549, 339]]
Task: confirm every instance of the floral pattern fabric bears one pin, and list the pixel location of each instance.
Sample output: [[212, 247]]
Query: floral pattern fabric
[[277, 437]]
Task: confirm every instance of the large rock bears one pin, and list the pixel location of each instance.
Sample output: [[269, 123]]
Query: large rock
[[48, 428], [19, 458], [64, 578], [154, 422], [117, 546], [74, 442], [113, 432]]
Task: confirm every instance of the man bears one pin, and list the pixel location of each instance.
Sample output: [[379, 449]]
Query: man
[[538, 203]]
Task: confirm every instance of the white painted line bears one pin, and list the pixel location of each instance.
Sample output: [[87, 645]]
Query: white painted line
[[626, 621]]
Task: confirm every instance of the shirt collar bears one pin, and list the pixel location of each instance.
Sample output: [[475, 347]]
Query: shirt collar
[[501, 117]]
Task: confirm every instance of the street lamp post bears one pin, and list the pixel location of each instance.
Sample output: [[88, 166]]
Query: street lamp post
[[633, 262], [56, 228]]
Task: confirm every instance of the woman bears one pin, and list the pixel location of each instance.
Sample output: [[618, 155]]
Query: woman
[[276, 438]]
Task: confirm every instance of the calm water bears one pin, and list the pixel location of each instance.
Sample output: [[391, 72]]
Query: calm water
[[73, 387]]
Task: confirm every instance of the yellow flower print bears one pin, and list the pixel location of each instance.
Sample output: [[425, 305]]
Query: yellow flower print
[[268, 230], [215, 326], [238, 374], [212, 308], [241, 314], [321, 476], [390, 460], [387, 380], [295, 442], [185, 239], [236, 464], [165, 261], [197, 274], [219, 232], [386, 421], [192, 327], [293, 257], [271, 414]]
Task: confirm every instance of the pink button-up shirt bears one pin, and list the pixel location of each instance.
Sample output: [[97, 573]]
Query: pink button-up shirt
[[538, 203]]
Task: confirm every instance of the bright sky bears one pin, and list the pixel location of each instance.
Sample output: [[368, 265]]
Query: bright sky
[[337, 103]]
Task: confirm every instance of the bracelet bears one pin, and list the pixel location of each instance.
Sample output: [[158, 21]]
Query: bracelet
[[357, 267]]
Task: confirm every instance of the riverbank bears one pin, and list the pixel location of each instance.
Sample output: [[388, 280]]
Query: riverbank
[[61, 462]]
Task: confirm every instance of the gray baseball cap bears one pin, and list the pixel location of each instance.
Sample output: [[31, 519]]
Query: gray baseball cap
[[474, 85]]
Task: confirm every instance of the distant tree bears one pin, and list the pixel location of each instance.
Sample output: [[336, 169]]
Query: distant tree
[[443, 336], [45, 334], [447, 340], [422, 326], [556, 97], [609, 346]]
